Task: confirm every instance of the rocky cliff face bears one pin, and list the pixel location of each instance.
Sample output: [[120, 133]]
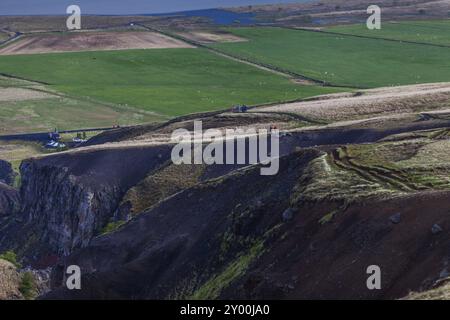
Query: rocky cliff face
[[181, 246], [265, 245], [9, 200], [6, 172], [68, 211], [68, 198]]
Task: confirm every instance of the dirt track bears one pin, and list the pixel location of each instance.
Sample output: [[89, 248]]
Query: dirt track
[[91, 41]]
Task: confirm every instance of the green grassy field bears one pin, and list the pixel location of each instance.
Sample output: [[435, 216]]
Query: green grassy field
[[31, 114], [16, 83], [343, 60], [433, 32], [64, 113], [170, 82]]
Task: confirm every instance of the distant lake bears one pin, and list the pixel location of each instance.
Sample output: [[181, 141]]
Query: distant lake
[[136, 7], [218, 16]]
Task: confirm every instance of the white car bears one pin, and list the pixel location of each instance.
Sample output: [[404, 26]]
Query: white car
[[54, 145], [51, 144], [78, 140]]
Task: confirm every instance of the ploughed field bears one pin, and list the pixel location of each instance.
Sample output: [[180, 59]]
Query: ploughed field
[[90, 41]]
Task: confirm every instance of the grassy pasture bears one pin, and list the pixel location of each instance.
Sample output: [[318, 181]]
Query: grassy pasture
[[16, 83], [65, 114], [343, 60], [169, 82], [432, 32], [35, 109]]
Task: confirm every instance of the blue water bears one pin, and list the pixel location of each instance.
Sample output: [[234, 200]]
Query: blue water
[[224, 17], [121, 7], [217, 16]]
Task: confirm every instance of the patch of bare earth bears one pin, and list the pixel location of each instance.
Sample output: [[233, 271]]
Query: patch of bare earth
[[91, 41], [212, 37], [20, 94]]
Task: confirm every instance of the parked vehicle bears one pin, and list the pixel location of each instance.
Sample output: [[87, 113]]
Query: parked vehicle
[[239, 109], [54, 145]]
